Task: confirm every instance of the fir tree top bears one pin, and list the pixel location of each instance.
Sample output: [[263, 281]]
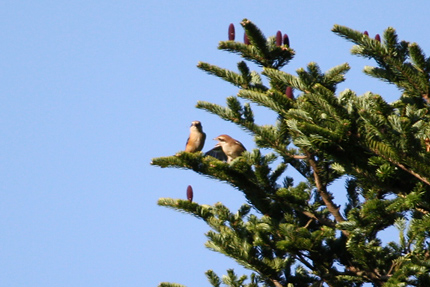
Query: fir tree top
[[299, 234]]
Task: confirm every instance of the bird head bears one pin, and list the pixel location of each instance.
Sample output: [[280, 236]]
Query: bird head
[[197, 125], [223, 139]]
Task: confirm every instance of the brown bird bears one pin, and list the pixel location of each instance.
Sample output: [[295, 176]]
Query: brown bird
[[197, 138], [227, 148]]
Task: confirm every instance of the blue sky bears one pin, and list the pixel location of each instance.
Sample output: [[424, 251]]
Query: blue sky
[[92, 90]]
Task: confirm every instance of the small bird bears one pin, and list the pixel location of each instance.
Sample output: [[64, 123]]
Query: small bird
[[197, 138], [227, 148]]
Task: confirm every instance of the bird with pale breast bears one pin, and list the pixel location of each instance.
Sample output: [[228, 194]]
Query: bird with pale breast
[[197, 138], [227, 148]]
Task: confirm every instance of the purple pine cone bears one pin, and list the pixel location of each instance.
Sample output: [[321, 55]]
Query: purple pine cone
[[231, 33], [190, 193]]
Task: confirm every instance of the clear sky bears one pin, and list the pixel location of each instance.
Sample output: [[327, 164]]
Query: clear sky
[[92, 90]]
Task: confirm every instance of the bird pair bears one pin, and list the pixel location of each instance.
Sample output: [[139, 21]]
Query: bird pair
[[226, 149]]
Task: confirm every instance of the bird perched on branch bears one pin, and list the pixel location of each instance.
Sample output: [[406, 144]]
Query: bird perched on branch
[[197, 138], [227, 148]]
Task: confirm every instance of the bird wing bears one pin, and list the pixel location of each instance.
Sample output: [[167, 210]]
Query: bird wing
[[217, 153], [239, 143]]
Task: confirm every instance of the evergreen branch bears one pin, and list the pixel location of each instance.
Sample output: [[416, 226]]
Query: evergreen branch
[[257, 39], [418, 58], [213, 278], [383, 146], [270, 99], [227, 75], [244, 70], [232, 280], [248, 52], [240, 245], [403, 75], [337, 73], [402, 166], [277, 172], [271, 137], [235, 113], [312, 77], [239, 174], [320, 219], [298, 199], [391, 57], [263, 52], [325, 106], [355, 36], [366, 46], [215, 109], [321, 188], [276, 283], [378, 73], [279, 80], [204, 212]]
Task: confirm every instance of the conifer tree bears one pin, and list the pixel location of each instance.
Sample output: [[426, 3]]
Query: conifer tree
[[291, 234]]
